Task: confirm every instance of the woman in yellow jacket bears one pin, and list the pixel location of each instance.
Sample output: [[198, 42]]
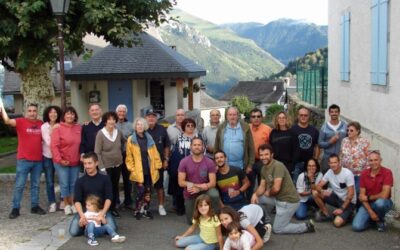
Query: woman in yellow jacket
[[143, 161]]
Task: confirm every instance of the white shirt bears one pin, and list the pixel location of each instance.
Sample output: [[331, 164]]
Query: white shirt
[[90, 217], [46, 139], [245, 242], [253, 213], [345, 177], [301, 185]]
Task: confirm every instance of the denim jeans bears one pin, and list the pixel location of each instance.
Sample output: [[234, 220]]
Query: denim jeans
[[284, 213], [24, 168], [362, 220], [298, 169], [67, 176], [357, 185], [93, 231], [76, 230], [48, 169], [302, 211], [194, 242]]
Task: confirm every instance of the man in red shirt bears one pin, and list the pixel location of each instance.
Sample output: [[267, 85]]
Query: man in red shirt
[[29, 157], [375, 188]]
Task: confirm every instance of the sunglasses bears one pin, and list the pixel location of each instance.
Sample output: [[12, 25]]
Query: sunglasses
[[256, 116], [189, 125]]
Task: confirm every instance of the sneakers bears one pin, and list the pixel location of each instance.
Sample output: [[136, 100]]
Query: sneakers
[[115, 213], [118, 238], [68, 210], [73, 209], [92, 242], [381, 226], [268, 231], [147, 215], [37, 210], [62, 205], [321, 217], [310, 226], [14, 213], [52, 208], [161, 210], [137, 215]]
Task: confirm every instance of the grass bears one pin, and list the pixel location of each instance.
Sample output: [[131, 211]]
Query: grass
[[8, 170], [8, 144]]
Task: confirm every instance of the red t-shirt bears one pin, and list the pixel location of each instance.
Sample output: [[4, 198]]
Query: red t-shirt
[[29, 139], [374, 185]]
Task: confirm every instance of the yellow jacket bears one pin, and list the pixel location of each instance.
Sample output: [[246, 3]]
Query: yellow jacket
[[133, 159]]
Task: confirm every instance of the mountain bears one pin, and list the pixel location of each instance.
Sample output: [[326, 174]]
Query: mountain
[[227, 57], [285, 39]]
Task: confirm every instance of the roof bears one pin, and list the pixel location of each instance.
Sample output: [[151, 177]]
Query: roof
[[257, 91], [12, 82], [151, 58], [208, 102]]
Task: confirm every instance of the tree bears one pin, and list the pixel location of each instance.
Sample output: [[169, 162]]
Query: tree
[[243, 104], [29, 31]]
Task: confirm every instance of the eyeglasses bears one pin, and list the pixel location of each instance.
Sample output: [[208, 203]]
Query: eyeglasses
[[256, 116], [190, 125], [302, 115], [350, 130]]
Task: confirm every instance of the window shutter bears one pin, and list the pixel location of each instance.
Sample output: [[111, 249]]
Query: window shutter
[[374, 41], [383, 41]]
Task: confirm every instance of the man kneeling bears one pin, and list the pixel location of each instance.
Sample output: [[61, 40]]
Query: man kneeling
[[375, 187], [339, 195], [93, 183]]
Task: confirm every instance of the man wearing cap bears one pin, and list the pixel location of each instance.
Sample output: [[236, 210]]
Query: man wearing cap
[[160, 137], [376, 183]]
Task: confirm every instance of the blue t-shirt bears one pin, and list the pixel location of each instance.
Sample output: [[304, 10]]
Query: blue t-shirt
[[234, 145]]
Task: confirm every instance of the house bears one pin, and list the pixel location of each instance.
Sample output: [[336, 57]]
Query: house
[[262, 93], [363, 73], [149, 74], [208, 103]]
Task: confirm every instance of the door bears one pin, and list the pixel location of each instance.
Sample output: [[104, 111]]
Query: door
[[120, 92]]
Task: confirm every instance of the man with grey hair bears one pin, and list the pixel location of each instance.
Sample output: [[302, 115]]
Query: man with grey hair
[[210, 132], [126, 128], [235, 139], [175, 129]]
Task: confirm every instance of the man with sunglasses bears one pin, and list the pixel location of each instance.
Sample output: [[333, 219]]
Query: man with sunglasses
[[306, 142], [331, 135], [260, 133]]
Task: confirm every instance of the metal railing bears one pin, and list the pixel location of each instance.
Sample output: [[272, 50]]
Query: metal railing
[[312, 85]]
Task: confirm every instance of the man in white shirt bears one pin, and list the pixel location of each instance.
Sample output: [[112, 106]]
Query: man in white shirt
[[340, 194]]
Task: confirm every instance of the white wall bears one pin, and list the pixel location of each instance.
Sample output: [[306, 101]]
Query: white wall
[[375, 107], [139, 98]]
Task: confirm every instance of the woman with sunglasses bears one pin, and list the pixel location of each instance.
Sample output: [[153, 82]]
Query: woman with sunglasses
[[180, 150], [354, 152]]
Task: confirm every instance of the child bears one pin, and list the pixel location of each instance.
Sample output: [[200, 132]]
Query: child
[[208, 223], [251, 217], [98, 226], [237, 238]]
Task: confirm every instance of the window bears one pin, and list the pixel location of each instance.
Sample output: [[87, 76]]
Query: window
[[379, 41], [345, 47]]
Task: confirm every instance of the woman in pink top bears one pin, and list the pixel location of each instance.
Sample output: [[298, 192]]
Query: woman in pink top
[[65, 141], [354, 152], [51, 119]]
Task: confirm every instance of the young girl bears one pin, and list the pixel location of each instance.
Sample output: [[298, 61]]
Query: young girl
[[209, 225], [238, 238], [251, 218], [98, 226]]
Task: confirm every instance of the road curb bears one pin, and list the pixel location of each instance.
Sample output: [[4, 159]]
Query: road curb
[[7, 154]]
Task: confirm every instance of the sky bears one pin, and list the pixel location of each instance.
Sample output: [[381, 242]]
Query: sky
[[262, 11]]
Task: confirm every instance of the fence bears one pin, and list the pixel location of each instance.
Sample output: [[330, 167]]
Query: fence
[[312, 85]]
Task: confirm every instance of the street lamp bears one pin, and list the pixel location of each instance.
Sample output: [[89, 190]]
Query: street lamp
[[60, 8]]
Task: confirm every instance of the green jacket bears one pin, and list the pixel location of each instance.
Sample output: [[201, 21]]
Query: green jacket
[[249, 154]]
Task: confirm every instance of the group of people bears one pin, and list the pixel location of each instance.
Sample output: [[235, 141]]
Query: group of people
[[213, 172]]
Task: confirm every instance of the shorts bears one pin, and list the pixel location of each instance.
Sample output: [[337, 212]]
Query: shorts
[[335, 201], [160, 183]]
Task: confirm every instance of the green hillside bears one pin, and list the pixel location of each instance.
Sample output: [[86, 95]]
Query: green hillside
[[227, 57]]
